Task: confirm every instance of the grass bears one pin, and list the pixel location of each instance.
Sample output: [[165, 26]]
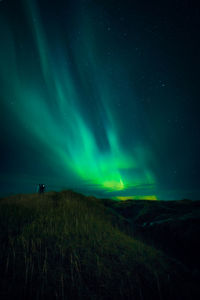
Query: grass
[[175, 226], [68, 246]]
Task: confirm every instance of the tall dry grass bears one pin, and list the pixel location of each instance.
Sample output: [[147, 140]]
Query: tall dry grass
[[65, 246]]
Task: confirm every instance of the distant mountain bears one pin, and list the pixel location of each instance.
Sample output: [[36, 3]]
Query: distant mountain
[[173, 226]]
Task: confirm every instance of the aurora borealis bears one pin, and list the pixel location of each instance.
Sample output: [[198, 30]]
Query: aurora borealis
[[100, 97]]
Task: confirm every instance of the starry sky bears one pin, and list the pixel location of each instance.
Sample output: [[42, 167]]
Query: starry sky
[[101, 97]]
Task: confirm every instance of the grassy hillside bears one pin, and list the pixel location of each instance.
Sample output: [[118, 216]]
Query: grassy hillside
[[68, 246], [173, 226]]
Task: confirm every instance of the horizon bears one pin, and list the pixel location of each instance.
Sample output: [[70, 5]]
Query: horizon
[[115, 198]]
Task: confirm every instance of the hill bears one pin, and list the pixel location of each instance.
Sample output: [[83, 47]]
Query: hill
[[173, 226], [69, 246]]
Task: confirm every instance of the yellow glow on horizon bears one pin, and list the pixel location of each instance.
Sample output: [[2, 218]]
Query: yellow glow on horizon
[[124, 198]]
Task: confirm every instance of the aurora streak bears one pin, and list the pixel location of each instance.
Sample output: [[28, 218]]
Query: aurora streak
[[69, 103]]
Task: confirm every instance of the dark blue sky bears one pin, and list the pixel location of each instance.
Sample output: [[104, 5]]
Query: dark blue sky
[[101, 97]]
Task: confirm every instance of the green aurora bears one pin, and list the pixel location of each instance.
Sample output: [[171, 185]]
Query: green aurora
[[74, 107]]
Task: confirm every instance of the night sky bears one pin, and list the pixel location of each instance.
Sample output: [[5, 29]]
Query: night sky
[[100, 96]]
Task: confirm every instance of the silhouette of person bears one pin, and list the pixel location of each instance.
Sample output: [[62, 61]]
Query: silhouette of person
[[41, 188]]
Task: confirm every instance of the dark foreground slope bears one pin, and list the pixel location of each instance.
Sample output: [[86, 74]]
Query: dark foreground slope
[[173, 226], [67, 246]]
